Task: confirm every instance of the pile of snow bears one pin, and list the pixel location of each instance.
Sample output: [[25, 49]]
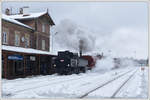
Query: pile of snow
[[103, 65]]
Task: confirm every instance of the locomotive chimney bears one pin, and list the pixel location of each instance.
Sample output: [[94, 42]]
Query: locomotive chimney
[[80, 47], [80, 52]]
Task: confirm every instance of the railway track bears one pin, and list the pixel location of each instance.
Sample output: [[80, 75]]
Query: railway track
[[108, 82], [36, 81], [29, 78], [115, 93], [48, 84], [12, 93]]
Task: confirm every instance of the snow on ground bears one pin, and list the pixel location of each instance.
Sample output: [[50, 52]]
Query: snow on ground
[[137, 87], [110, 88], [73, 86]]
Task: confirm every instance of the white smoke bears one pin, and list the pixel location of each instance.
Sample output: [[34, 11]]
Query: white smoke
[[124, 62], [69, 34], [108, 63], [121, 41], [103, 65]]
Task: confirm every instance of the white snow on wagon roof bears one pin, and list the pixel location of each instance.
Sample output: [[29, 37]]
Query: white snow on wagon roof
[[7, 18], [25, 50], [28, 16]]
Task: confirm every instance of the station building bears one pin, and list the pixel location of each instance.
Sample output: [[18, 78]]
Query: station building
[[25, 44]]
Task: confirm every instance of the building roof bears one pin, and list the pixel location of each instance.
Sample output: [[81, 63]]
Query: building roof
[[25, 50], [7, 18], [31, 16]]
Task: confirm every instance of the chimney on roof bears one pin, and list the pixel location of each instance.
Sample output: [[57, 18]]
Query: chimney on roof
[[21, 11], [24, 11], [7, 11], [47, 10]]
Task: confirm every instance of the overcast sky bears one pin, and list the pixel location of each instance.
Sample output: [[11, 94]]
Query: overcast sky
[[122, 25]]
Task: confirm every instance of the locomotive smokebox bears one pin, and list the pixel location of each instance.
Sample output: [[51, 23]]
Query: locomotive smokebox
[[80, 47]]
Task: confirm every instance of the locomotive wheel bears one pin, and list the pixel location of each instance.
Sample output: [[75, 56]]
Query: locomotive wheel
[[69, 71], [84, 70]]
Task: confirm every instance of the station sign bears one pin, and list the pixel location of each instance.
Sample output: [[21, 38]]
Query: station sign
[[32, 58], [15, 57]]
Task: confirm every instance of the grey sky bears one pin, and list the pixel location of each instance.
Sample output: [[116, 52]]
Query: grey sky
[[104, 19]]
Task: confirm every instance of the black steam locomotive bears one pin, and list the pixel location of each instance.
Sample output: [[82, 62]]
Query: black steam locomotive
[[68, 63]]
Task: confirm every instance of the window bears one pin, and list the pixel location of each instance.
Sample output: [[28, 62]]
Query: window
[[43, 27], [5, 35], [4, 38], [27, 40], [43, 44], [17, 38]]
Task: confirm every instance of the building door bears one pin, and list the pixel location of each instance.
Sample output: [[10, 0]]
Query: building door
[[15, 65], [18, 67], [44, 67], [31, 65], [3, 69]]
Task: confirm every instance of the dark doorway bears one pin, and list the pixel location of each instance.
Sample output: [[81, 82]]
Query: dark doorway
[[3, 68], [31, 65], [19, 69]]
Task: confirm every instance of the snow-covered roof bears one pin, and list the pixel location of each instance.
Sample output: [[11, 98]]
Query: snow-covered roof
[[7, 18], [29, 15], [25, 50]]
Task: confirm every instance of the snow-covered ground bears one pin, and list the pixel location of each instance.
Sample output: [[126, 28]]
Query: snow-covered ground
[[137, 87], [74, 86]]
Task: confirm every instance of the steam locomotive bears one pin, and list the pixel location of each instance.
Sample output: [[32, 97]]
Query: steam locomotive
[[69, 63]]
